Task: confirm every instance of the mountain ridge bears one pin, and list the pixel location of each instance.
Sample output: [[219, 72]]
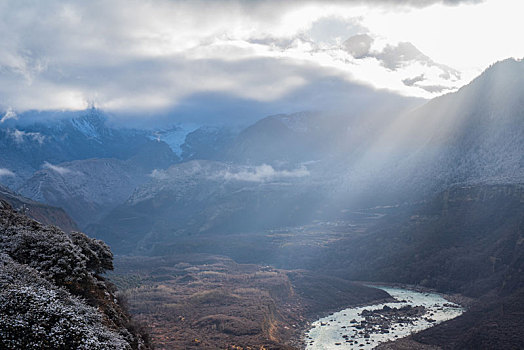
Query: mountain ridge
[[40, 212]]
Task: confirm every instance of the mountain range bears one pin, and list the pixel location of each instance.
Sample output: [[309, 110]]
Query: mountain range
[[334, 164], [428, 193], [389, 152]]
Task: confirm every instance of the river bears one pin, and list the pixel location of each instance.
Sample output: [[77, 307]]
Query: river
[[367, 326]]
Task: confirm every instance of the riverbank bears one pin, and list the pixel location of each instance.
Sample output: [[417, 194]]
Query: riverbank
[[455, 298], [366, 327], [298, 340]]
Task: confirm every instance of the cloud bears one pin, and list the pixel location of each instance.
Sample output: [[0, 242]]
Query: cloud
[[58, 169], [359, 45], [260, 173], [159, 174], [263, 173], [152, 55], [21, 136], [435, 88], [424, 3], [9, 114], [414, 80], [6, 172]]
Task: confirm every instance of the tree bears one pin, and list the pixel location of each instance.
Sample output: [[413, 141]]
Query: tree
[[99, 256]]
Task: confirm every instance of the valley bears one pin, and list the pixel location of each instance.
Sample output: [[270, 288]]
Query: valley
[[300, 273], [260, 292], [197, 301]]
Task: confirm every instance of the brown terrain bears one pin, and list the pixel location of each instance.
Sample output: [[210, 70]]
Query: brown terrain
[[210, 302]]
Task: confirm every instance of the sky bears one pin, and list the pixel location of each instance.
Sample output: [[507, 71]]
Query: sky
[[149, 56]]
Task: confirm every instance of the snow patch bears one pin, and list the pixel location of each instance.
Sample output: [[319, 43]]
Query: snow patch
[[9, 114], [159, 174], [85, 127], [175, 137]]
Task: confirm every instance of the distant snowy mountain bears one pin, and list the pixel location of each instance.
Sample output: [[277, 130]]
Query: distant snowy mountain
[[357, 157], [27, 143], [416, 70], [77, 161]]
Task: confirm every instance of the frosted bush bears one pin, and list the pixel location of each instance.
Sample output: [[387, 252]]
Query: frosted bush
[[36, 315], [48, 280]]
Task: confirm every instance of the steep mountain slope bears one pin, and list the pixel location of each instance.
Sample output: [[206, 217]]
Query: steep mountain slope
[[42, 213], [52, 295], [383, 155], [310, 136], [475, 135], [462, 240], [291, 138], [211, 143]]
